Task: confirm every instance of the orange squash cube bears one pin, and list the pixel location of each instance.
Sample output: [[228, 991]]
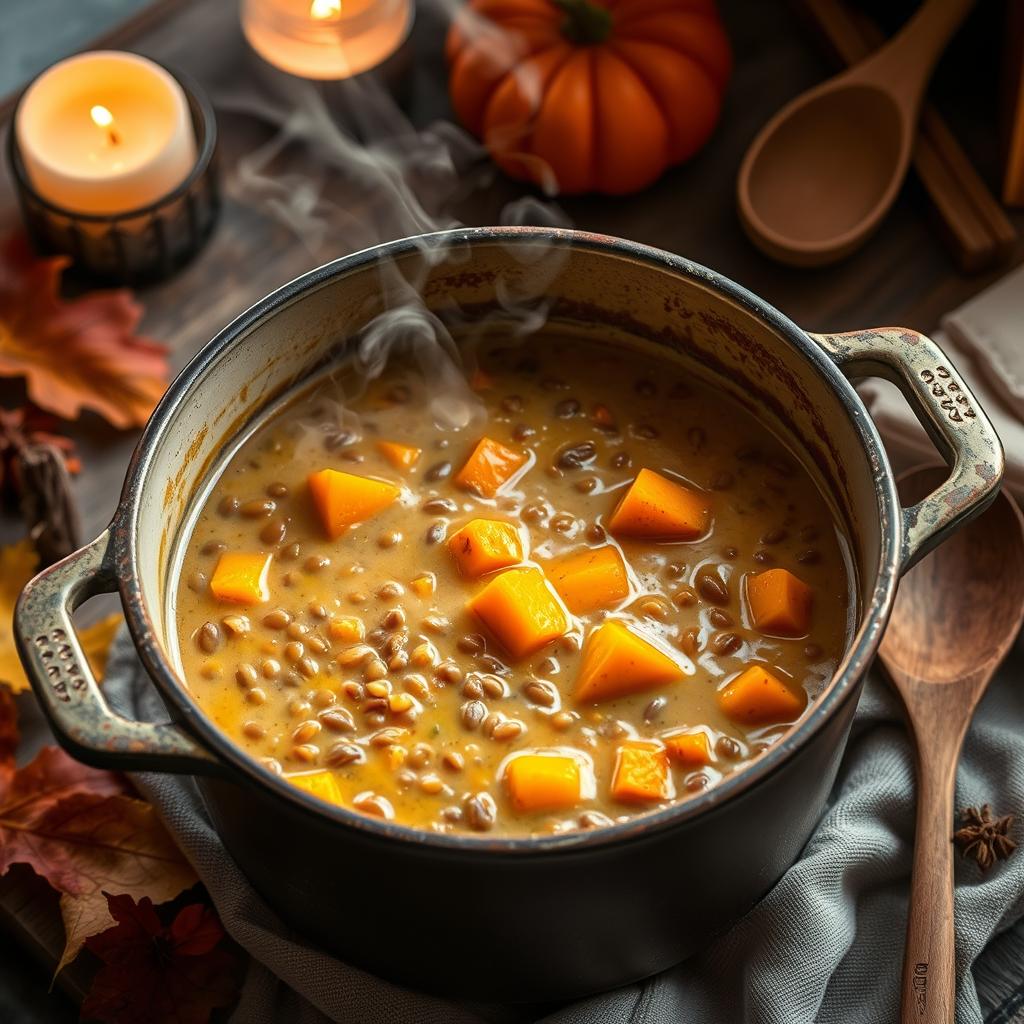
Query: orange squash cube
[[483, 545], [519, 607], [489, 467], [641, 773], [617, 662], [543, 782], [423, 585], [241, 578], [757, 697], [660, 509], [691, 749], [779, 603], [321, 784], [589, 579], [401, 456], [344, 499]]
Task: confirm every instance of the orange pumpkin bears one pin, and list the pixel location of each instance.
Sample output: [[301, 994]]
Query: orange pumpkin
[[589, 95]]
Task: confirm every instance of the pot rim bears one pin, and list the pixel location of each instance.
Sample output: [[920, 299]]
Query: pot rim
[[876, 607]]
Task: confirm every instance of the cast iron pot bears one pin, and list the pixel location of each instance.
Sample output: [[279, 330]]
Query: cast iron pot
[[520, 919]]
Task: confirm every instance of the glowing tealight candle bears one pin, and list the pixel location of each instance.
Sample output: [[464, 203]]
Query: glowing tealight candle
[[326, 40], [105, 133]]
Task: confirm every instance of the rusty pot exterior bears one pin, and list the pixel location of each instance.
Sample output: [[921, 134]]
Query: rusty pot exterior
[[526, 919]]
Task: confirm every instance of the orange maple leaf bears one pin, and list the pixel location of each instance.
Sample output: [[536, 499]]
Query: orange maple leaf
[[77, 354], [17, 566]]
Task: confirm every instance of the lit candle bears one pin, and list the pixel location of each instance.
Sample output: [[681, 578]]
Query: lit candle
[[326, 39], [105, 133]]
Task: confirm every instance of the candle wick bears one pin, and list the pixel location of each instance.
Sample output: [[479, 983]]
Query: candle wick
[[112, 135]]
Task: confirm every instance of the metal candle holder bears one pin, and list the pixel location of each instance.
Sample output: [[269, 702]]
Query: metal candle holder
[[137, 246]]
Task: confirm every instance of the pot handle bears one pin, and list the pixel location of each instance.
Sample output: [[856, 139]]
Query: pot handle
[[65, 685], [947, 409]]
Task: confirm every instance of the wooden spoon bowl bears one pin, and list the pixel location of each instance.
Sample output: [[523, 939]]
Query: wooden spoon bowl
[[958, 611], [824, 171]]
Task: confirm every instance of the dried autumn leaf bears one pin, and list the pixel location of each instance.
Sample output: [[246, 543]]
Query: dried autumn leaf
[[118, 846], [78, 828], [25, 428], [74, 825], [17, 567], [158, 974], [28, 800], [8, 737], [77, 354], [96, 640]]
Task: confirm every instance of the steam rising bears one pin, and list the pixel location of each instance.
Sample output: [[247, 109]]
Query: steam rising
[[398, 181]]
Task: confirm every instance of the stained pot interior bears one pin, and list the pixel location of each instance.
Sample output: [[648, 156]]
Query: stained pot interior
[[628, 295]]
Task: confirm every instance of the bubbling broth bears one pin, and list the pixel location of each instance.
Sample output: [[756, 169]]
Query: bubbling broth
[[609, 592]]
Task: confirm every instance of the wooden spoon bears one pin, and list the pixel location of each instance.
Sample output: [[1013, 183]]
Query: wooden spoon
[[956, 614], [823, 172]]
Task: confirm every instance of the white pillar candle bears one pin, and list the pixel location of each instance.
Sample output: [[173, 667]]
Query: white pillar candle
[[105, 133], [326, 40]]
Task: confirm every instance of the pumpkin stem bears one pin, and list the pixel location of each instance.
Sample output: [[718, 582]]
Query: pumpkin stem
[[585, 23]]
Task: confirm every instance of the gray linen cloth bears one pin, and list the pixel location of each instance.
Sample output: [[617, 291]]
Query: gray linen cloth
[[825, 945]]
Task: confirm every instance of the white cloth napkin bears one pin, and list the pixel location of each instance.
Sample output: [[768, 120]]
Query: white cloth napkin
[[985, 339]]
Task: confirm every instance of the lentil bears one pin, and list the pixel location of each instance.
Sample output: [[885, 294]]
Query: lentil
[[208, 637], [439, 471], [246, 675], [337, 720], [235, 625], [481, 812], [277, 619]]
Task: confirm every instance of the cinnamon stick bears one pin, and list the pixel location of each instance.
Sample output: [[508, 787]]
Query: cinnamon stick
[[974, 226], [1013, 105]]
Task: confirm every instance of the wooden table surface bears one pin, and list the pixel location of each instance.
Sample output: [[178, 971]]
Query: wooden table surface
[[902, 276]]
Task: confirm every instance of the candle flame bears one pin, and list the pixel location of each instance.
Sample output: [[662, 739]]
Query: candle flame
[[101, 116], [325, 10]]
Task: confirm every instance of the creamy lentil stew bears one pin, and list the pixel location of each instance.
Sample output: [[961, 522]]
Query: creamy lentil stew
[[608, 592]]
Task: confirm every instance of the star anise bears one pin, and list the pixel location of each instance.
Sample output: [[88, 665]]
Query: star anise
[[983, 837]]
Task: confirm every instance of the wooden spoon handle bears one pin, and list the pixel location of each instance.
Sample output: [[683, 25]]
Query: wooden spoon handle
[[903, 66], [929, 966]]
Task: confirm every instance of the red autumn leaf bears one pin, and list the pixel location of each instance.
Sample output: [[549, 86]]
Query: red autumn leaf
[[8, 737], [114, 844], [153, 973], [77, 354], [77, 828], [28, 802], [196, 930]]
